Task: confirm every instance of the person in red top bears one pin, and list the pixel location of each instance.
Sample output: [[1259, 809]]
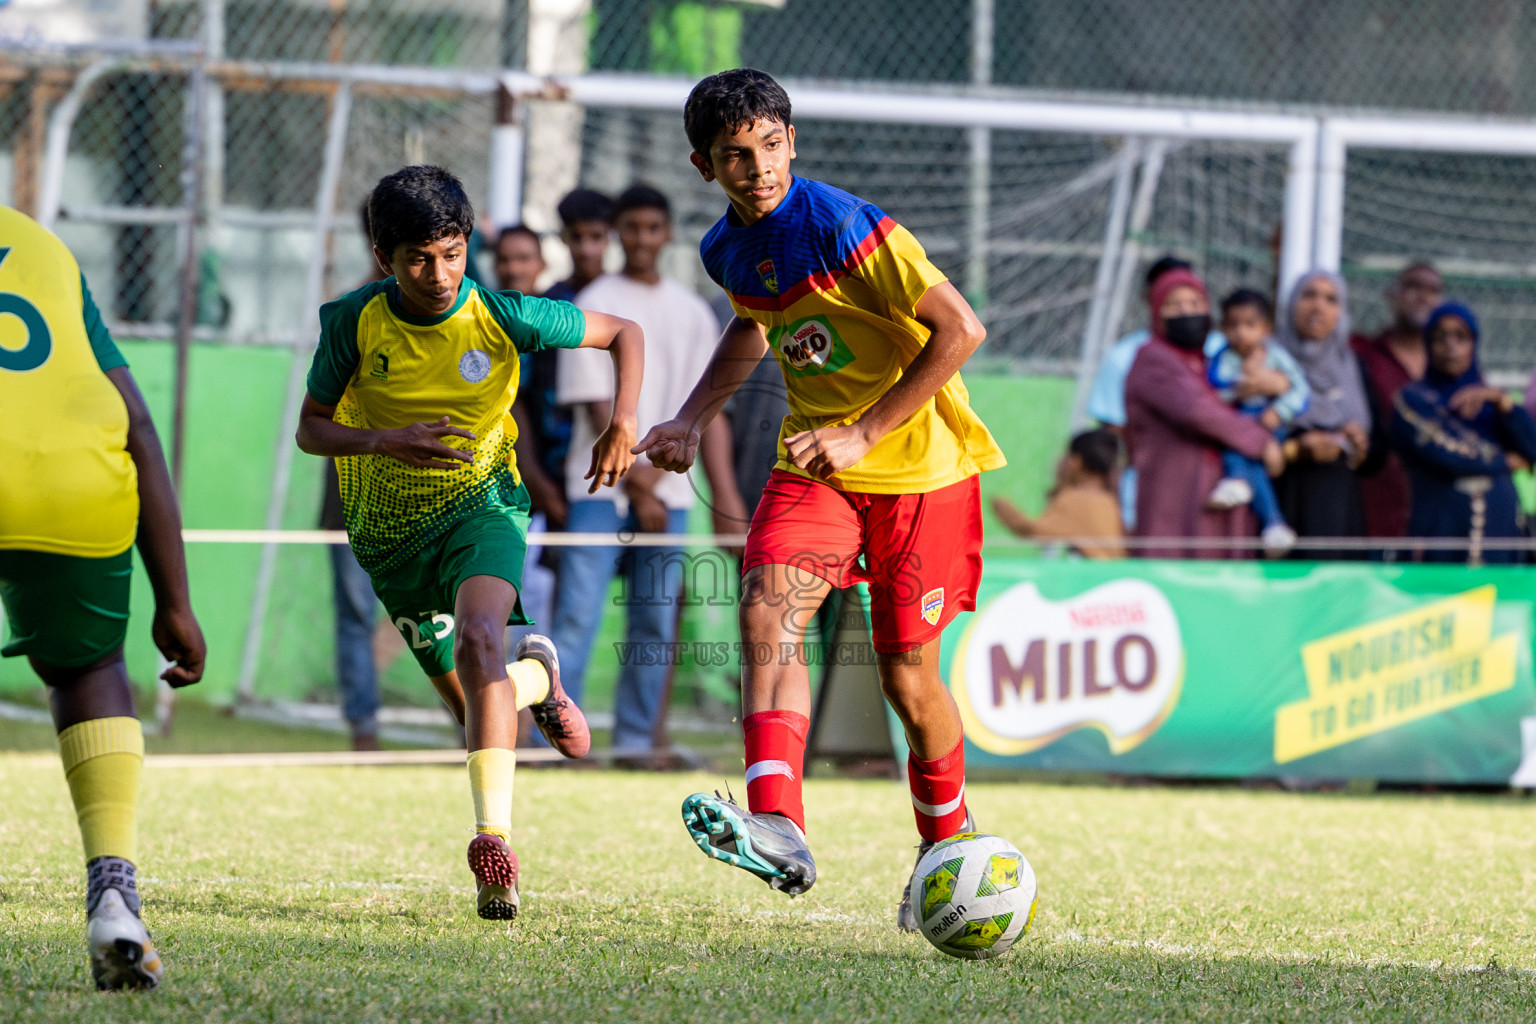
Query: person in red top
[[1176, 428], [1394, 358]]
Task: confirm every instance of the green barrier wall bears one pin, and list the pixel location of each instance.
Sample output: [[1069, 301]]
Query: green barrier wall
[[236, 402], [1182, 668]]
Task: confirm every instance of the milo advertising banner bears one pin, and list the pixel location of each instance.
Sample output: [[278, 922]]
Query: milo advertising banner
[[1210, 669]]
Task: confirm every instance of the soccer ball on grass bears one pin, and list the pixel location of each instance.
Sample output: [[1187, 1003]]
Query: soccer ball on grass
[[975, 895]]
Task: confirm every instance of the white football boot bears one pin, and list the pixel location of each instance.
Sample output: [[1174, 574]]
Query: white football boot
[[122, 955]]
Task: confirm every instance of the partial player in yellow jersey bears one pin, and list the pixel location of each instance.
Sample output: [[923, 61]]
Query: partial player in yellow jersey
[[877, 475], [82, 478], [411, 391]]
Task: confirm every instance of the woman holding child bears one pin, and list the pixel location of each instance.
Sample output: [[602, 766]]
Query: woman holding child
[[1176, 427], [1458, 439], [1328, 442]]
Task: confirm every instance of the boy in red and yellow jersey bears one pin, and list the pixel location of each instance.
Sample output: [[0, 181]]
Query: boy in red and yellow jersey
[[82, 480], [877, 474]]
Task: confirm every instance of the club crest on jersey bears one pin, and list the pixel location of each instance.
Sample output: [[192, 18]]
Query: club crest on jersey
[[380, 366], [933, 605], [769, 275], [474, 366]]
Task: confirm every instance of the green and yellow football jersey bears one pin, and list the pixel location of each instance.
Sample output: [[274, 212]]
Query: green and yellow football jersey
[[383, 368], [67, 483]]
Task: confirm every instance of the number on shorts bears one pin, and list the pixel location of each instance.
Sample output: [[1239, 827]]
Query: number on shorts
[[433, 627]]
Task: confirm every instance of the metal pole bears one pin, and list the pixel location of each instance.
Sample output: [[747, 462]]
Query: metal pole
[[980, 139], [1298, 236], [1328, 241], [61, 124], [1130, 253], [1103, 285], [507, 139], [314, 289], [213, 130], [191, 197]]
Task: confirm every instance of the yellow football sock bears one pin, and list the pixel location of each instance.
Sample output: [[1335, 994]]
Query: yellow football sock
[[103, 759], [490, 783], [530, 681]]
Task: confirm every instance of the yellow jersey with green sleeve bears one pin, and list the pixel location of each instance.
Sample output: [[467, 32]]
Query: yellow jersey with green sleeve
[[383, 368], [67, 483], [835, 283]]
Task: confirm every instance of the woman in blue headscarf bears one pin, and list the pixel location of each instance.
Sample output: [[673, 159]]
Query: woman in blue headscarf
[[1457, 437]]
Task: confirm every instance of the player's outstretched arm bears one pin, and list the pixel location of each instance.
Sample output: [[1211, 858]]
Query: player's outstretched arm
[[955, 333], [674, 444], [419, 444], [625, 342], [175, 629]]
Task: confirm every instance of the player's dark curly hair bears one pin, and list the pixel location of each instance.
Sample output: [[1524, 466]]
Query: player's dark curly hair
[[729, 102], [417, 205]]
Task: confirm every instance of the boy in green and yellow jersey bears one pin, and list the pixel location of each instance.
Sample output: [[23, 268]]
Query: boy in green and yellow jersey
[[81, 478], [411, 390]]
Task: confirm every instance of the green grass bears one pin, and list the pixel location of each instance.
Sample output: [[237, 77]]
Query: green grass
[[199, 729], [203, 729], [341, 895]]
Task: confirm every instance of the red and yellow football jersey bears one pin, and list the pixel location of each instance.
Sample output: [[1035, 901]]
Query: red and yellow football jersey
[[835, 284]]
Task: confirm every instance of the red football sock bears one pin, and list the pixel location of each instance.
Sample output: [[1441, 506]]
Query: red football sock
[[938, 793], [775, 759]]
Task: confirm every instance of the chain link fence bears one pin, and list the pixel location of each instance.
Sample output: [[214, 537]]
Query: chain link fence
[[1473, 216], [1042, 199], [224, 110]]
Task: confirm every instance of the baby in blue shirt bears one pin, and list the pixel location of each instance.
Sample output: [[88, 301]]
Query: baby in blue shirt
[[1259, 379]]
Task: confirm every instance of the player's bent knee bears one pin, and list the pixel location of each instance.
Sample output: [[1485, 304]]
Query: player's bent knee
[[479, 644], [910, 685]]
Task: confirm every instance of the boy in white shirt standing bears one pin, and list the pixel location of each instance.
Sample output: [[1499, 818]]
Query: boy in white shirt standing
[[680, 331]]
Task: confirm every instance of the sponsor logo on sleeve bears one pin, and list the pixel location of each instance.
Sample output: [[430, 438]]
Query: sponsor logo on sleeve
[[1031, 670]]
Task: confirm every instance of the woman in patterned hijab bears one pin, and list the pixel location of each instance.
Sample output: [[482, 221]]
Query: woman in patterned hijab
[[1319, 492]]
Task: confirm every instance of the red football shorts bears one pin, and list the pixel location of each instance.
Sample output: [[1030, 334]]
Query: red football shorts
[[919, 553]]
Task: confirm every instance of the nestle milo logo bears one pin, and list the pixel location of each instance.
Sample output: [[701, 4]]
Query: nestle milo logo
[[811, 346], [955, 914], [1034, 669]]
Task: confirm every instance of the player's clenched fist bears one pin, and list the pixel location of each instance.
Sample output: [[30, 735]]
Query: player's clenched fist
[[671, 445], [180, 640], [611, 454], [826, 451], [421, 445]]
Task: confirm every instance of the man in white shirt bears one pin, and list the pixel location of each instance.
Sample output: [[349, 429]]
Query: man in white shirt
[[680, 332]]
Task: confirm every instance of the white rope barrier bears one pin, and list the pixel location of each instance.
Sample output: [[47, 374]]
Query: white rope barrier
[[735, 540], [547, 539]]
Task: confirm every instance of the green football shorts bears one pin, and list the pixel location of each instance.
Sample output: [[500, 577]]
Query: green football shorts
[[63, 609], [419, 595]]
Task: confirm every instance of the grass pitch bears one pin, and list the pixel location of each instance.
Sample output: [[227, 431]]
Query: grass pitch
[[341, 895]]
